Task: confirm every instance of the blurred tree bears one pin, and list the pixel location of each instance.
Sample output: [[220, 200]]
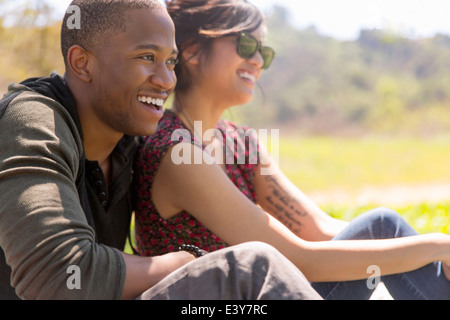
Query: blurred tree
[[29, 42], [381, 82]]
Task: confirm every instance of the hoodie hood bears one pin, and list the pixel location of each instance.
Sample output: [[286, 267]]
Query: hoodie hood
[[53, 87]]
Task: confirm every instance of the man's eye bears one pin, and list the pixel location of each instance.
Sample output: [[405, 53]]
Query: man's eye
[[172, 62], [148, 57]]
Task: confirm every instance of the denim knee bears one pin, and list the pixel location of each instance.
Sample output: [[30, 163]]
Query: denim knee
[[387, 223], [385, 216]]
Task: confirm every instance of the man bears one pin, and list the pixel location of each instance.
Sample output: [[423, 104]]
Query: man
[[66, 157]]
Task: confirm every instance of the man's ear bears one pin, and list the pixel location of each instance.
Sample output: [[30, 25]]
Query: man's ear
[[78, 62]]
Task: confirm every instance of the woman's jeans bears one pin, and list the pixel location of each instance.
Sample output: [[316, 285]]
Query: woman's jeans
[[428, 282]]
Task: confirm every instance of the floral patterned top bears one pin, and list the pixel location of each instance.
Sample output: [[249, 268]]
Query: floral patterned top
[[155, 235]]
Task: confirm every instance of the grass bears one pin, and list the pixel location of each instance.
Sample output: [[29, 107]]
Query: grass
[[326, 164], [423, 217]]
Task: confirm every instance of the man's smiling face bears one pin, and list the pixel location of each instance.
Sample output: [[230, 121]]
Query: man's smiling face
[[134, 73]]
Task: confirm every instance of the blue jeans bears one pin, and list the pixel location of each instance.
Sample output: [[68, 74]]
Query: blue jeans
[[427, 283]]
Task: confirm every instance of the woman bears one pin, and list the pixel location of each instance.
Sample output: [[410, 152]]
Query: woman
[[213, 205]]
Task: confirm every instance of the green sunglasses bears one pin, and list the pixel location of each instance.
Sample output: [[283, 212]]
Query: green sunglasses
[[248, 46]]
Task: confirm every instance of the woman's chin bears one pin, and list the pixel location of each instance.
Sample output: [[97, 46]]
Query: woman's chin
[[247, 97]]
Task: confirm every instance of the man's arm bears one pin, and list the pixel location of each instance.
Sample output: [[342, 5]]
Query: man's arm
[[144, 272], [43, 229]]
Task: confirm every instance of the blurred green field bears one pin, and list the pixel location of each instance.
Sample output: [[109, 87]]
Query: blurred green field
[[349, 165], [326, 163], [423, 217]]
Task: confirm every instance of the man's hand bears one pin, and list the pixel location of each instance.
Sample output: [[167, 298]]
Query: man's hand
[[145, 272]]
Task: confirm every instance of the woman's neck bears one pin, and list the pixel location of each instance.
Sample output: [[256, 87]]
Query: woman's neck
[[195, 106]]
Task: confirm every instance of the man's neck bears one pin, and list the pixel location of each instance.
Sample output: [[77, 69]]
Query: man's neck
[[99, 140], [99, 147]]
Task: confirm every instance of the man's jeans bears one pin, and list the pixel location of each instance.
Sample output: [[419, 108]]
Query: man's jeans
[[250, 271], [428, 282]]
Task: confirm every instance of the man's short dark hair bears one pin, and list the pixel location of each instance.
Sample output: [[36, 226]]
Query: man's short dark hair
[[99, 19]]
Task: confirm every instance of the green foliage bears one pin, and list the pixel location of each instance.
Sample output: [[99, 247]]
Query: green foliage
[[424, 217]]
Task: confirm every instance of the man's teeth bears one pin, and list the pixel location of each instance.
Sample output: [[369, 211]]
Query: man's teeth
[[248, 76], [148, 100]]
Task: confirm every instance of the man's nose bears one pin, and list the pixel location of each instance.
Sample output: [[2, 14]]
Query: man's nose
[[163, 77]]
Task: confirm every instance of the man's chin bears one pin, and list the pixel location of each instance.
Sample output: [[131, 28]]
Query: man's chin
[[144, 131]]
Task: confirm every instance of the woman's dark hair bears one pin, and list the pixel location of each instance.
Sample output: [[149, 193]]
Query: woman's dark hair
[[199, 22]]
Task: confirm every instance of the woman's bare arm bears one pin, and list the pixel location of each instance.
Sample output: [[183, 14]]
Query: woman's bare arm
[[277, 195], [209, 195]]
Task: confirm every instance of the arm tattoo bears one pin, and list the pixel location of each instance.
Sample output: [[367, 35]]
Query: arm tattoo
[[283, 206]]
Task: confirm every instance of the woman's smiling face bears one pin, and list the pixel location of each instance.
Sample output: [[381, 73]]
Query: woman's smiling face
[[228, 76]]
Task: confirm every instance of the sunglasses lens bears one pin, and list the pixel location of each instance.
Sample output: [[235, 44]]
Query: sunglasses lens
[[247, 46], [267, 54]]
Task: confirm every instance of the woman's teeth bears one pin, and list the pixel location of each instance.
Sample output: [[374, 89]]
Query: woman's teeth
[[156, 102], [248, 76]]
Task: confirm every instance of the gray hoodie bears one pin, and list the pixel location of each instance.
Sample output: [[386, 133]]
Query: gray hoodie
[[60, 234]]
